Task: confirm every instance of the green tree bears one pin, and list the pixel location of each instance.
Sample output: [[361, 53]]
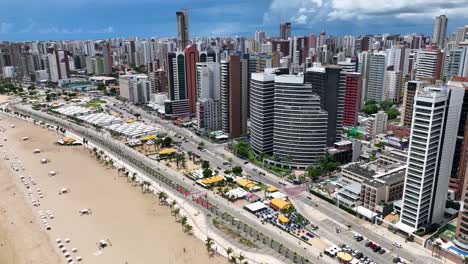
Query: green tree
[[209, 242], [370, 109], [385, 105], [167, 142], [207, 173], [237, 170], [205, 164], [242, 149], [314, 172], [392, 113], [381, 144]]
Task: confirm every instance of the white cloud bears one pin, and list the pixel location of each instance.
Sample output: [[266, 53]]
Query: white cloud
[[310, 11], [5, 27]]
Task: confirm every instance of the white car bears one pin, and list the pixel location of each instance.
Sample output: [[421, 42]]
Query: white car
[[398, 245]]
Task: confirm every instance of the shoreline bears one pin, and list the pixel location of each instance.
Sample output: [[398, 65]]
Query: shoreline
[[195, 251]]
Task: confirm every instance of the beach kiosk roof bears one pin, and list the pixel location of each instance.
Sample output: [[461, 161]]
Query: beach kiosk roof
[[254, 207], [148, 137], [272, 189], [68, 139], [279, 203], [212, 180], [246, 183], [130, 121], [345, 257], [283, 219], [167, 151]]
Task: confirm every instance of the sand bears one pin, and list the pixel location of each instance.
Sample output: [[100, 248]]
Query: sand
[[139, 229]]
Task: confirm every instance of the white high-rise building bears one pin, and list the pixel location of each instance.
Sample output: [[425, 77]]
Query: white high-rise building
[[440, 27], [398, 56], [392, 86], [436, 116], [377, 124], [208, 109], [463, 69], [135, 87], [376, 76], [428, 64]]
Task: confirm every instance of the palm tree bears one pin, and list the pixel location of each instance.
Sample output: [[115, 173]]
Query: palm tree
[[176, 213], [173, 204], [183, 220], [229, 251], [233, 259], [209, 244], [162, 196], [188, 229], [241, 257], [438, 246]]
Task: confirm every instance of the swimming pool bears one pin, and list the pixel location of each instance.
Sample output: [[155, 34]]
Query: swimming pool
[[458, 251], [81, 87]]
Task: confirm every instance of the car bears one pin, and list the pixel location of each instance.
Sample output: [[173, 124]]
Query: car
[[373, 245], [382, 251], [359, 238], [246, 162], [225, 163], [396, 260], [377, 248], [368, 243], [398, 245]]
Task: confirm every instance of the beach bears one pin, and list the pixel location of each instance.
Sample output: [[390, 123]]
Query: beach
[[136, 227]]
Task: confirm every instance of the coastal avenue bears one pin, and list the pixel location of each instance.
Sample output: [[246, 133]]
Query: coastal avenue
[[276, 234], [216, 155]]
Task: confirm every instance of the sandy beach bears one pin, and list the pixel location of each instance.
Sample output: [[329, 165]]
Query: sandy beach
[[138, 229]]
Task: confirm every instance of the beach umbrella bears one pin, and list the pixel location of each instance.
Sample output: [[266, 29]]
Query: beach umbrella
[[74, 250], [79, 258], [37, 151], [44, 160], [52, 173], [67, 240], [64, 249], [24, 138]]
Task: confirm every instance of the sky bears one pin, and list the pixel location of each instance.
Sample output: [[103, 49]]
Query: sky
[[22, 20]]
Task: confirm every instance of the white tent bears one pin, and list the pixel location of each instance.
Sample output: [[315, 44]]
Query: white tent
[[37, 151]]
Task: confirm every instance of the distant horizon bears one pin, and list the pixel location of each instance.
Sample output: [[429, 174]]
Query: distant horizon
[[51, 20]]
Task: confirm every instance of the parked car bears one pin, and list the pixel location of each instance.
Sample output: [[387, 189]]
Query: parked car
[[368, 243], [377, 248], [398, 245], [373, 245], [382, 251]]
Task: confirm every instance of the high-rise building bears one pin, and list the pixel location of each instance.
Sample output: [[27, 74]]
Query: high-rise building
[[107, 56], [436, 116], [285, 31], [363, 69], [393, 82], [461, 233], [300, 124], [158, 81], [327, 83], [183, 38], [208, 105], [59, 66], [463, 70], [178, 103], [262, 92], [409, 92], [260, 36], [440, 27], [399, 58], [135, 88], [460, 158], [377, 124], [452, 61], [376, 76], [352, 98], [191, 59], [231, 96], [429, 64]]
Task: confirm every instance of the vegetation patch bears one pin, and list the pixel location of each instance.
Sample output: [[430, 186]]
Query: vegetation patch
[[233, 234]]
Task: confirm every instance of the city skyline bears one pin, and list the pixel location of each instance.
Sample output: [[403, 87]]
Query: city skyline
[[52, 20]]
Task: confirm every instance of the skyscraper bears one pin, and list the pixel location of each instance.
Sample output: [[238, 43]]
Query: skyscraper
[[461, 233], [352, 98], [107, 56], [408, 101], [429, 64], [178, 103], [285, 30], [183, 29], [231, 96], [59, 67], [262, 92], [208, 112], [440, 27], [326, 83], [434, 128], [393, 82], [300, 124], [191, 59], [376, 76]]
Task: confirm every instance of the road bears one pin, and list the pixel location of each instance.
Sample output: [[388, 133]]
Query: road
[[216, 155], [117, 147]]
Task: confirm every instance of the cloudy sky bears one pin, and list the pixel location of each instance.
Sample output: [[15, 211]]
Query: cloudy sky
[[94, 19]]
